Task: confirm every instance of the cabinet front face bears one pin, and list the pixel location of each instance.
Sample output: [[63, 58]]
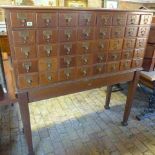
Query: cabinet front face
[[57, 45]]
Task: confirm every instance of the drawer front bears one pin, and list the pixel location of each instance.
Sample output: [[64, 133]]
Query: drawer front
[[22, 37], [46, 78], [85, 47], [99, 69], [85, 33], [84, 60], [47, 36], [47, 19], [49, 50], [83, 72], [150, 51], [27, 81], [48, 64], [25, 52], [151, 38], [127, 54], [119, 19], [113, 67], [104, 19], [137, 63], [68, 49], [67, 35], [100, 58], [87, 18], [145, 19], [114, 56], [26, 66], [133, 19], [125, 65], [141, 43], [117, 32], [143, 31], [131, 31], [102, 33], [139, 53], [22, 19], [67, 19], [67, 74], [116, 44], [129, 43], [67, 61], [101, 46]]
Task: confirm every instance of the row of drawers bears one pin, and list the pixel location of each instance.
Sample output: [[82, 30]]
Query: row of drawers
[[28, 52], [45, 78], [69, 35], [83, 18], [53, 64]]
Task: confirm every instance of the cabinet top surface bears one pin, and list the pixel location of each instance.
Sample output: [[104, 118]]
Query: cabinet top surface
[[68, 8]]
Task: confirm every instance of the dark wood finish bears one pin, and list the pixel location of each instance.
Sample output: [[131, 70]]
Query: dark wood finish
[[108, 96]]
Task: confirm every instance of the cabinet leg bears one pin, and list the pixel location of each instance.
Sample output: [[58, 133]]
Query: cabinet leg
[[25, 115], [108, 96], [129, 101]]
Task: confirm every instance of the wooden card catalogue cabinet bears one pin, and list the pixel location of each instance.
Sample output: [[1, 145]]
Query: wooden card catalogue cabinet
[[57, 51]]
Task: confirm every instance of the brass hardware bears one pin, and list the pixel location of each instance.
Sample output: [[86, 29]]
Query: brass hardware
[[85, 59], [85, 46], [47, 18], [24, 35], [117, 33], [100, 57], [86, 33], [67, 73], [87, 18], [102, 33], [68, 34], [49, 77], [67, 60], [48, 49], [146, 19], [104, 19], [140, 43], [101, 45], [119, 20], [133, 20], [22, 17], [68, 18], [114, 57], [130, 32], [49, 64], [27, 66], [47, 35], [26, 51], [68, 48], [99, 68], [84, 71], [143, 31], [29, 81]]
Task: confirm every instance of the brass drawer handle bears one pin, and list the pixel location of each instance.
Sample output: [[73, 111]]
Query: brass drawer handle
[[67, 61], [99, 68], [26, 51], [67, 74], [130, 33], [25, 36], [85, 46], [68, 48], [116, 44], [68, 19], [140, 43], [119, 20], [143, 31], [85, 60], [47, 35], [87, 18], [133, 20], [29, 81], [49, 77], [22, 17], [100, 57], [114, 57], [68, 34], [101, 46], [102, 34], [48, 50], [46, 18], [146, 19], [84, 72], [49, 65], [86, 33], [27, 66], [104, 19]]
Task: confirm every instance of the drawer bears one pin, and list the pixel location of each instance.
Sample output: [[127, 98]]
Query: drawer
[[143, 31], [46, 78], [127, 54], [113, 67], [67, 61], [116, 44], [47, 19], [48, 50], [48, 64], [99, 69], [84, 60], [100, 58], [151, 38], [141, 43], [129, 43], [25, 52], [119, 19], [101, 46], [22, 19], [104, 19], [83, 72], [67, 74], [125, 65], [23, 37], [139, 53], [68, 49], [67, 35], [133, 19], [87, 18], [131, 31], [85, 33], [102, 33], [117, 32], [47, 36], [137, 63], [85, 47], [27, 66], [68, 19], [150, 51], [27, 81], [148, 64], [114, 56], [145, 19]]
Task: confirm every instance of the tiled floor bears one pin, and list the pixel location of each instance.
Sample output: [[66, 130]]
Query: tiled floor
[[78, 124]]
